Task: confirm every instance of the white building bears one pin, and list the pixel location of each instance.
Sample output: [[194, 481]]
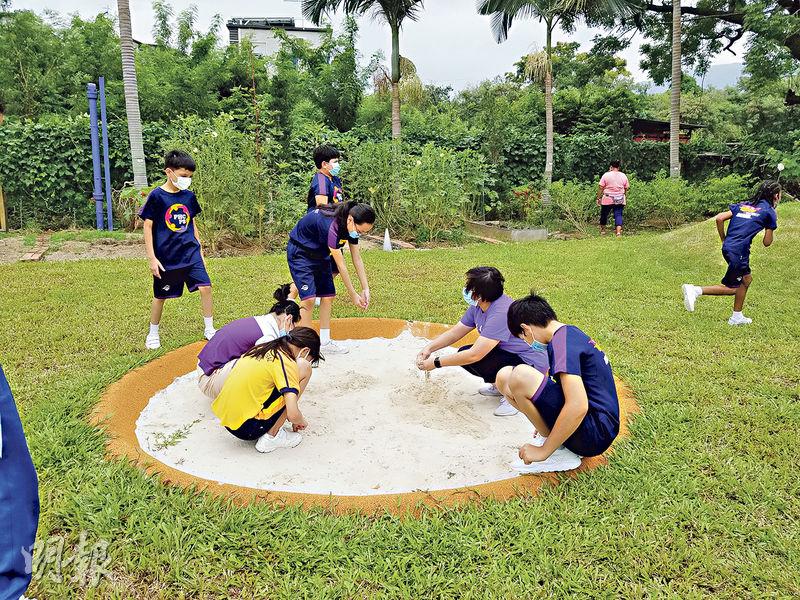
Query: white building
[[261, 32]]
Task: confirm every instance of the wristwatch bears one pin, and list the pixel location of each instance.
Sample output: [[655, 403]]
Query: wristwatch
[[437, 363]]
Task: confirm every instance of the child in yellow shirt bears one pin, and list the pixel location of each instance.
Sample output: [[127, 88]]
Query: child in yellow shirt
[[263, 390]]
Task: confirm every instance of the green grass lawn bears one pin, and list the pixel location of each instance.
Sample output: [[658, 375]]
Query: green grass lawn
[[702, 500]]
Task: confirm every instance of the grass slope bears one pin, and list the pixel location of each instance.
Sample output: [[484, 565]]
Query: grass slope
[[703, 499]]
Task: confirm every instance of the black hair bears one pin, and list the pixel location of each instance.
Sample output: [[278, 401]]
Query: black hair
[[301, 337], [615, 164], [487, 282], [178, 159], [766, 191], [325, 153], [361, 213], [284, 306], [530, 310]]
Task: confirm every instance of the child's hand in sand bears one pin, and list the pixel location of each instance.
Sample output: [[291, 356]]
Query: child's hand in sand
[[297, 420], [426, 365]]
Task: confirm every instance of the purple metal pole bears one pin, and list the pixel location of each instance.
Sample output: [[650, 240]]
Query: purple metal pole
[[97, 194], [106, 162]]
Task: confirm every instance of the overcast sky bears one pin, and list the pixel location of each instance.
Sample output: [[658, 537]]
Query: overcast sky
[[450, 44]]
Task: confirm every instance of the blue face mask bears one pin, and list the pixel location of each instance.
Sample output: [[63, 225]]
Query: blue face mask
[[282, 333], [468, 298], [336, 168], [538, 346], [354, 235]]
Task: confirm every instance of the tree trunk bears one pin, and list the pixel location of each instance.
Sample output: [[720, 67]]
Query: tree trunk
[[131, 95], [675, 95], [395, 81], [548, 114]]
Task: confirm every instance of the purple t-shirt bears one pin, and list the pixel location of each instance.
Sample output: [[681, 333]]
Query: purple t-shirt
[[234, 339], [493, 324]]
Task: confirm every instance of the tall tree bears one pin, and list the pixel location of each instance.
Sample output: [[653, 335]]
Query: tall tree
[[552, 13], [394, 12], [131, 94], [675, 94]]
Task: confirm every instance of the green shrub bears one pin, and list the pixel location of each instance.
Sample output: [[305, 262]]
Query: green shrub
[[435, 189], [239, 198]]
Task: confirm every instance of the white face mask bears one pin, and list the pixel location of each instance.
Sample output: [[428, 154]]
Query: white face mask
[[182, 183]]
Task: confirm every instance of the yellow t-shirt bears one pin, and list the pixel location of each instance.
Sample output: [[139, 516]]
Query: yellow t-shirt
[[251, 383]]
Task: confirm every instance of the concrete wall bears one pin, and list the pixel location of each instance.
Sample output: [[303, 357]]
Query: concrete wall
[[266, 44]]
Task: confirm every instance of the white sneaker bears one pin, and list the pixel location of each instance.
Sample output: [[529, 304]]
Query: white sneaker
[[690, 296], [734, 320], [209, 333], [282, 439], [152, 341], [490, 390], [560, 460], [504, 409], [538, 440], [333, 348]]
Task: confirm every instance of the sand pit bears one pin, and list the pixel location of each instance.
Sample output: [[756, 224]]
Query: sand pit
[[376, 426], [380, 437]]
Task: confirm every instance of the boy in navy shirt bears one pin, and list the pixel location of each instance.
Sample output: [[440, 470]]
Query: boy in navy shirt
[[172, 243], [574, 408], [747, 219], [326, 186]]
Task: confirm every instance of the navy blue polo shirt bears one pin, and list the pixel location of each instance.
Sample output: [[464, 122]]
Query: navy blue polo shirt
[[174, 241]]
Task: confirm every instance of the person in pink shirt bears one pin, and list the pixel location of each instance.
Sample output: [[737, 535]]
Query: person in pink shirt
[[611, 195]]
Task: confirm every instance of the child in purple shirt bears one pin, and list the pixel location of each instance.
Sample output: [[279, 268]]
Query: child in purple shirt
[[495, 347], [231, 342]]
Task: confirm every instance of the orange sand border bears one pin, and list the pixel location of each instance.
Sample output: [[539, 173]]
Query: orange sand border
[[123, 401]]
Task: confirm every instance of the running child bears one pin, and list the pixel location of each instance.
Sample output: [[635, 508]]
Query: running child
[[574, 408], [747, 219], [172, 243], [218, 356], [316, 239], [263, 390]]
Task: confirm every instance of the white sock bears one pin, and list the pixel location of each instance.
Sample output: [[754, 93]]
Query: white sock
[[209, 321], [698, 290], [324, 335], [737, 315], [153, 329]]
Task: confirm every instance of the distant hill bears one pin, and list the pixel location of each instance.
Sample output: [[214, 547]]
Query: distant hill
[[718, 76]]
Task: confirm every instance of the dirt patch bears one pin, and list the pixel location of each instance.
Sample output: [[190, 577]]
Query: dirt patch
[[12, 249], [73, 250]]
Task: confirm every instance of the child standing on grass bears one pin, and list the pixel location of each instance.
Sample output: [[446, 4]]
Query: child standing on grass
[[747, 219], [574, 408], [172, 242], [263, 390], [326, 186], [314, 244]]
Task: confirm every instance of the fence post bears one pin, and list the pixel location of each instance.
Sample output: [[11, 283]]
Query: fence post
[[106, 160], [97, 194]]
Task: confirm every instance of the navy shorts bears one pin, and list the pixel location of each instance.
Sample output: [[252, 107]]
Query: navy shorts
[[595, 433], [738, 267], [252, 429], [312, 276], [171, 283]]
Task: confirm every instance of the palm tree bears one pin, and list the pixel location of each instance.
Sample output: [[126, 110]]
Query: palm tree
[[394, 12], [675, 94], [539, 65], [131, 94]]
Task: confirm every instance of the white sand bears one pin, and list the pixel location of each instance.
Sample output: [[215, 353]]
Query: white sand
[[376, 426]]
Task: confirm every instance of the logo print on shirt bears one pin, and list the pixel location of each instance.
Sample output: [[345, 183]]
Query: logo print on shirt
[[177, 218]]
